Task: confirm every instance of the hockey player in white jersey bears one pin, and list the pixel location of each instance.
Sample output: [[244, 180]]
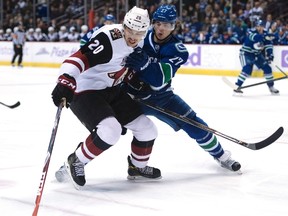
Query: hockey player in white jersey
[[89, 80]]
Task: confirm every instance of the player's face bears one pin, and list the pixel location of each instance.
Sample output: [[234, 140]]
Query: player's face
[[133, 37], [163, 29], [260, 29]]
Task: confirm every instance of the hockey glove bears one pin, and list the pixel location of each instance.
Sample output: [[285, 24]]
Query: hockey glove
[[138, 60], [270, 59], [64, 89]]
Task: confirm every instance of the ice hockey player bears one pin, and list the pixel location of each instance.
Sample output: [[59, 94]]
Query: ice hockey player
[[257, 50], [154, 68], [90, 81]]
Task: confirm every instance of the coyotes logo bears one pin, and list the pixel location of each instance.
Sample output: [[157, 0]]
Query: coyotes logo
[[115, 34]]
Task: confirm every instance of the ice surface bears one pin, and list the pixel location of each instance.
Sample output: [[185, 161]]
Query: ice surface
[[192, 183]]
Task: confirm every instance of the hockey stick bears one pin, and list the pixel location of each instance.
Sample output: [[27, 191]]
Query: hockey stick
[[11, 106], [47, 159], [254, 146], [234, 86], [280, 70]]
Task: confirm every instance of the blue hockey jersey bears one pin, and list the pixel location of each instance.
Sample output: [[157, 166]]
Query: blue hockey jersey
[[256, 43], [165, 60]]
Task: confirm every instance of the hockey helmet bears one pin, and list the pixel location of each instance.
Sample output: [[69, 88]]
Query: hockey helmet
[[109, 17], [137, 19], [84, 28], [165, 13], [259, 23]]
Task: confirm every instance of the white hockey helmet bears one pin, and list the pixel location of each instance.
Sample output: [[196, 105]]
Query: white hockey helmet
[[50, 29], [137, 19], [15, 29], [63, 28], [84, 28]]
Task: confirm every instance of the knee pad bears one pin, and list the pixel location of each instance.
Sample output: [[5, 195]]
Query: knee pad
[[143, 128], [109, 130]]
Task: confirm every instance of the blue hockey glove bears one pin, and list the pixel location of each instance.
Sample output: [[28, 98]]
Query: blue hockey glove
[[270, 59], [64, 89], [138, 60]]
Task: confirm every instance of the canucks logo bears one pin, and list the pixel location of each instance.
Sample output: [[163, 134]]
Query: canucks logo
[[180, 47]]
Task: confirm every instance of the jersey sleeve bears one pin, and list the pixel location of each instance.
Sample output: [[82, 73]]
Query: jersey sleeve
[[97, 51], [163, 70]]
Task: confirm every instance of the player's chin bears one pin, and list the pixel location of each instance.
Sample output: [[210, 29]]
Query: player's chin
[[132, 43]]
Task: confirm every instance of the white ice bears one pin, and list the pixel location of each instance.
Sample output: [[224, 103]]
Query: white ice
[[192, 184]]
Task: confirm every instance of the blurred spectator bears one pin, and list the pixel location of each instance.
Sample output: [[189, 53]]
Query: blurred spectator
[[8, 34], [240, 30], [39, 35], [268, 22], [215, 38], [2, 37], [84, 30], [73, 36], [231, 37], [108, 20], [52, 34], [30, 35], [63, 34], [256, 12]]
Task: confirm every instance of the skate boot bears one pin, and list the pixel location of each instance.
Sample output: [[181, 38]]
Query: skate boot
[[142, 173], [273, 90], [76, 171], [227, 162], [62, 175]]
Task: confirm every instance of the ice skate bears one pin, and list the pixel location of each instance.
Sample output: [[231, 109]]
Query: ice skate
[[62, 175], [75, 168], [227, 162], [135, 173], [273, 90]]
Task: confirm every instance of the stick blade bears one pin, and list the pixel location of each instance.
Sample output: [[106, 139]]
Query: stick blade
[[15, 105], [268, 141], [229, 83]]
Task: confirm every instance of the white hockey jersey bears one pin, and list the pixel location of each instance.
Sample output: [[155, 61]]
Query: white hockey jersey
[[99, 64]]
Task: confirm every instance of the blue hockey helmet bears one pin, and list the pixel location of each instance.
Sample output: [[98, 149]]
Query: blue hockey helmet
[[165, 13], [109, 17], [259, 23]]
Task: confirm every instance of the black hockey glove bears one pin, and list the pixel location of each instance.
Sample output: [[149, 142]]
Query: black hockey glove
[[137, 60], [64, 89]]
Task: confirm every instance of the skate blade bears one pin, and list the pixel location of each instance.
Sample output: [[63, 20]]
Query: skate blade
[[239, 172], [236, 94], [142, 178], [67, 167]]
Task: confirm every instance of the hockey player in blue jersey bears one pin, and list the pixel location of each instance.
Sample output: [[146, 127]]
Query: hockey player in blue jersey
[[257, 50], [150, 80], [108, 20]]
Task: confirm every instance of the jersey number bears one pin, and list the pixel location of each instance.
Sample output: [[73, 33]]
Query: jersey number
[[96, 47], [176, 60]]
